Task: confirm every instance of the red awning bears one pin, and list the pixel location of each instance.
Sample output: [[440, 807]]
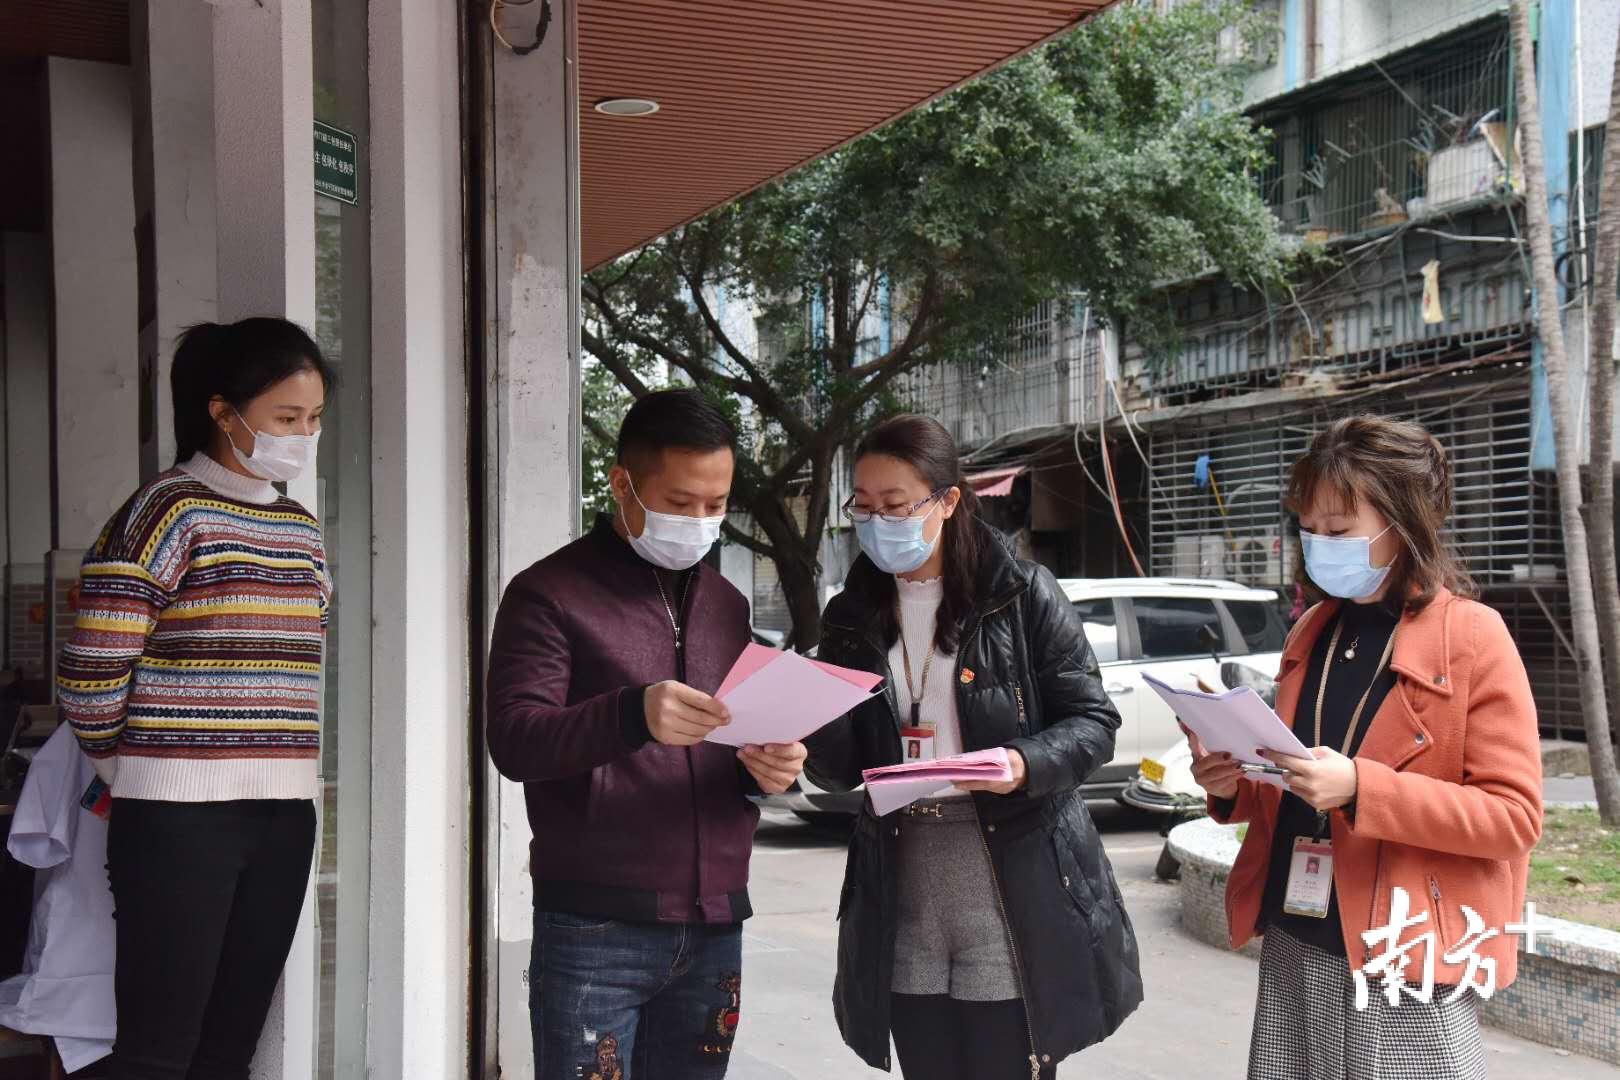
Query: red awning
[[995, 481]]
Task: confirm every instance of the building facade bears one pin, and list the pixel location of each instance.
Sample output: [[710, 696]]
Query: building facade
[[1395, 162]]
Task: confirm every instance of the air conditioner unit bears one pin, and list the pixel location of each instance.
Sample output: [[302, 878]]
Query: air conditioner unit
[[1263, 559], [1201, 555]]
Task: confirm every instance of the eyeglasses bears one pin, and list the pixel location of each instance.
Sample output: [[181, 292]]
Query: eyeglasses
[[861, 515]]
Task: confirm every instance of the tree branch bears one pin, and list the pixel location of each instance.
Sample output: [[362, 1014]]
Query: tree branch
[[764, 394], [866, 300], [919, 326], [700, 372], [742, 539], [615, 363], [694, 286]]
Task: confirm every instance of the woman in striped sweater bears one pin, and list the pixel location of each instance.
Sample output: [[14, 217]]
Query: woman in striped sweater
[[193, 683]]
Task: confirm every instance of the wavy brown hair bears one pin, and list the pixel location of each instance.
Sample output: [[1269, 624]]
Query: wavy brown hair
[[923, 443], [1403, 472]]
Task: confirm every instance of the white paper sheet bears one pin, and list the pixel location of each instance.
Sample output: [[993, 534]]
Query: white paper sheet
[[1236, 722], [784, 701], [896, 786]]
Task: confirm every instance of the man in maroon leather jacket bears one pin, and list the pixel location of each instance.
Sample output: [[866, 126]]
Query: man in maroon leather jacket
[[604, 659]]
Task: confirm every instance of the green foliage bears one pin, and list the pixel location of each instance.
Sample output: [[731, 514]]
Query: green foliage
[[1575, 869], [603, 403], [1110, 161]]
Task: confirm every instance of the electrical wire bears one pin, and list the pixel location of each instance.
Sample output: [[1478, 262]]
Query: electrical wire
[[1130, 429], [1119, 517], [1081, 461]]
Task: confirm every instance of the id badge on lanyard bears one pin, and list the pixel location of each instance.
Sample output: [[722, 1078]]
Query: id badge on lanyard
[[916, 744], [1310, 878]]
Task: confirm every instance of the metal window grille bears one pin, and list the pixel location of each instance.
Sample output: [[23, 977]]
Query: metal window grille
[[1543, 645], [1050, 369], [1504, 525], [1393, 139], [1363, 317]]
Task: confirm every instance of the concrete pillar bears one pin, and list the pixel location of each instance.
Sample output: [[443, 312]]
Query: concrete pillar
[[264, 192], [533, 414], [174, 199], [256, 116], [420, 847], [94, 363]]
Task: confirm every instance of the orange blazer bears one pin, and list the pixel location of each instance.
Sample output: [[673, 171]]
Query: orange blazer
[[1448, 792]]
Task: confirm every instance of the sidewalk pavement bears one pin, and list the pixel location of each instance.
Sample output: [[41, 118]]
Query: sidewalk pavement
[[1194, 1024]]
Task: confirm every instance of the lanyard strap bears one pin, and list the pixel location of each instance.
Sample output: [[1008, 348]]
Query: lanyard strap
[[917, 692], [1321, 691]]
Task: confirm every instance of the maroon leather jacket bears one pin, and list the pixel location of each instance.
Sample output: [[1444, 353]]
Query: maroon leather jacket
[[624, 827]]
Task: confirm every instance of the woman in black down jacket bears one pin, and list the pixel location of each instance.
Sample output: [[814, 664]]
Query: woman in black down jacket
[[981, 925]]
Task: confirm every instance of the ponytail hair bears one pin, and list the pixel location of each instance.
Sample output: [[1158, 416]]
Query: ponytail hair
[[923, 443], [235, 362]]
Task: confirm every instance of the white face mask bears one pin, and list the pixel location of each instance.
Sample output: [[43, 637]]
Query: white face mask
[[673, 541], [276, 457], [898, 548], [1342, 565]]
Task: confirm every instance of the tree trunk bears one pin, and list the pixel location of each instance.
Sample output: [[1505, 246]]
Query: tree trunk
[[1605, 570], [796, 556], [1565, 433]]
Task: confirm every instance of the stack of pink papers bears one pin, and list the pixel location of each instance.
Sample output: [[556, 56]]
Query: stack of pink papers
[[894, 786], [781, 697]]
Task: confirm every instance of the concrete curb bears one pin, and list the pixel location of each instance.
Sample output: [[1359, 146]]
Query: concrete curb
[[1566, 995]]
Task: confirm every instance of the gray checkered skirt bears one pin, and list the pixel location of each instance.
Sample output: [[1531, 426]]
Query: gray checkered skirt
[[951, 939], [1307, 1027]]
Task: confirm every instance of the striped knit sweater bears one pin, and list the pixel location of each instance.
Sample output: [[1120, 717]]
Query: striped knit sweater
[[194, 670]]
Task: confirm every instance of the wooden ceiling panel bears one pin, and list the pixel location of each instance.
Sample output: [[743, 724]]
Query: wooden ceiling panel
[[81, 29], [750, 89]]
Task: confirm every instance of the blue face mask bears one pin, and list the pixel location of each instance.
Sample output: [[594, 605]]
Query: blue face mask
[[1342, 565], [897, 548]]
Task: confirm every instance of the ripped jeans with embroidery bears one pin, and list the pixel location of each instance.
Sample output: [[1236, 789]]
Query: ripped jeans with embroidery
[[627, 1001]]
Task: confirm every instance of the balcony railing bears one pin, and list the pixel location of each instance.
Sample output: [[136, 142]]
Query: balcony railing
[[1048, 371], [1408, 137]]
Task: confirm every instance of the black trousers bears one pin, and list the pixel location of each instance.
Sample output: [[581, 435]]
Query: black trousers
[[940, 1038], [207, 898]]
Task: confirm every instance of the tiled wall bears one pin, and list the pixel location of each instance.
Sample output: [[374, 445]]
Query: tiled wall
[[1567, 995]]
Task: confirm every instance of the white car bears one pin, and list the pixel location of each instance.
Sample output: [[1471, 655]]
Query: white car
[[1176, 629]]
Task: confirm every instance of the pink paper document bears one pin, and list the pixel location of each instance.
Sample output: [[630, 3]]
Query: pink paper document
[[780, 697], [756, 656], [894, 786]]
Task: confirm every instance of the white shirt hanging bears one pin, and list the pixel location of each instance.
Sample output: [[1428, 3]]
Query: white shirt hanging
[[66, 988]]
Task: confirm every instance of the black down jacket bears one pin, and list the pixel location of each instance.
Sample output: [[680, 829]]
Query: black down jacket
[[1025, 678]]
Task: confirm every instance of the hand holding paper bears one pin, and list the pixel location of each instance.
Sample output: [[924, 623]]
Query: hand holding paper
[[773, 767], [1236, 722], [678, 715], [894, 786], [781, 697]]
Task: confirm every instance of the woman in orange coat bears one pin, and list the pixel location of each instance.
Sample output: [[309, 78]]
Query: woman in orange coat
[[1423, 791]]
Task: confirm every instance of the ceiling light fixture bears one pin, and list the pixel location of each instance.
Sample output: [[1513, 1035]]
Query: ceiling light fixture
[[627, 107]]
